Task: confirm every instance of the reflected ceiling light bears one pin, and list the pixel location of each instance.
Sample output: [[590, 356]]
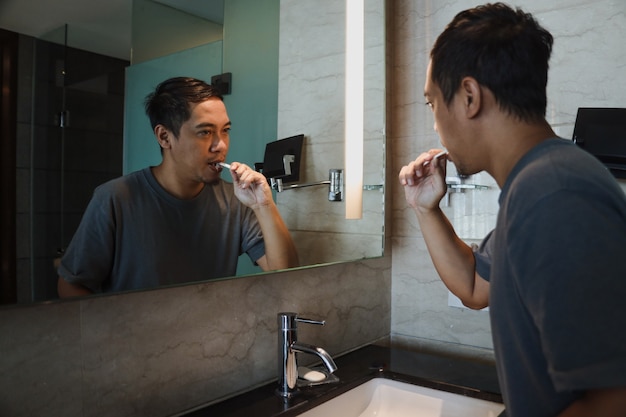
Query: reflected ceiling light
[[354, 97]]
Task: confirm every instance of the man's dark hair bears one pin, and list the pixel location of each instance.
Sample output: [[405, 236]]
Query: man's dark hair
[[505, 50], [169, 104]]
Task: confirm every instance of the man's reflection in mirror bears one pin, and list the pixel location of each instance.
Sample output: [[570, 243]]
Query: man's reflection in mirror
[[178, 221]]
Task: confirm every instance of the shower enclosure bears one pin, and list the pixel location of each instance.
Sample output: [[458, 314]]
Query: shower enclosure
[[69, 141]]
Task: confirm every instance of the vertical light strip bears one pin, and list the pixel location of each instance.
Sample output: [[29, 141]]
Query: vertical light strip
[[355, 34]]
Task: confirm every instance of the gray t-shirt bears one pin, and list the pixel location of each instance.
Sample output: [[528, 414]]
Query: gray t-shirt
[[136, 235], [556, 263]]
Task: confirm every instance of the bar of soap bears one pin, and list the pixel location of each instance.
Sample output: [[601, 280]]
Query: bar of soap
[[310, 374]]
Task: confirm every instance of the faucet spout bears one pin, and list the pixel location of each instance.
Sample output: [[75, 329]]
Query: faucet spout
[[328, 361]]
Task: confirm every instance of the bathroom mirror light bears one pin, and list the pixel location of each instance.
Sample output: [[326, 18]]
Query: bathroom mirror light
[[353, 153]]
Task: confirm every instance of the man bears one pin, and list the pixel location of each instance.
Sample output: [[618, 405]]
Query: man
[[178, 221], [553, 271]]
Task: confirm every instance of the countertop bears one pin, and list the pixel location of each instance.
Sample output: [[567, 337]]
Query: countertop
[[460, 376]]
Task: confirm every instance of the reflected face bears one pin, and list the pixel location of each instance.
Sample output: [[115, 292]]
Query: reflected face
[[203, 140]]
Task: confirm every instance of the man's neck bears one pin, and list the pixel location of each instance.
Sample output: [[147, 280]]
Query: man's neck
[[184, 190], [512, 143]]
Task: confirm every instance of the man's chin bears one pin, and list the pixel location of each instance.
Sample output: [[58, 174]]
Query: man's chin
[[464, 173], [211, 178], [211, 181]]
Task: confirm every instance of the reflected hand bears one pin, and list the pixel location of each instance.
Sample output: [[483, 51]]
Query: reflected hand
[[424, 180], [251, 187]]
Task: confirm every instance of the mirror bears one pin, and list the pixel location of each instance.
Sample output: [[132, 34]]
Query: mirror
[[302, 91]]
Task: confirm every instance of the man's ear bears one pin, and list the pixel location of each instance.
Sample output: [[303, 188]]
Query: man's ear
[[472, 96], [163, 136]]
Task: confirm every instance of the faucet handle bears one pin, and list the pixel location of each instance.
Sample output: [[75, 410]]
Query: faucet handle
[[309, 321], [288, 321]]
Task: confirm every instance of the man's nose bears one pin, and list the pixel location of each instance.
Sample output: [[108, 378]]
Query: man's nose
[[219, 142]]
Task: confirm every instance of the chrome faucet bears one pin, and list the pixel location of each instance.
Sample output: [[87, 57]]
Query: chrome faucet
[[288, 346]]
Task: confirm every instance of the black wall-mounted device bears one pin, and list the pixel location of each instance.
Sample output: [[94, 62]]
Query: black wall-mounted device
[[602, 133]]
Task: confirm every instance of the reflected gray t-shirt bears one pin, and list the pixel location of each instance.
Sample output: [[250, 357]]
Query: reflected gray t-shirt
[[136, 235], [556, 263]]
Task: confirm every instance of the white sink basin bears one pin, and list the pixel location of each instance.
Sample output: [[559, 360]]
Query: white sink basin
[[382, 397]]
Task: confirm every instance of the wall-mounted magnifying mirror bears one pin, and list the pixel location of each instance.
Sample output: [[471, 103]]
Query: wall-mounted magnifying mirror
[[79, 126]]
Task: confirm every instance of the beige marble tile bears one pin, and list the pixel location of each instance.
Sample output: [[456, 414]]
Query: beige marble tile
[[320, 247], [420, 301], [438, 347], [311, 65]]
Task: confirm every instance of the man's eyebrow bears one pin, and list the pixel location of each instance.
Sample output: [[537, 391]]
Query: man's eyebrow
[[213, 125]]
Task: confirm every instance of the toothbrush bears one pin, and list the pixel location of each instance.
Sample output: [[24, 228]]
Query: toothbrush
[[440, 154], [436, 157], [224, 165]]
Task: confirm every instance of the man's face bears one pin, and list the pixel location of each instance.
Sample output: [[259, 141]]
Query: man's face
[[203, 140], [434, 100], [449, 124]]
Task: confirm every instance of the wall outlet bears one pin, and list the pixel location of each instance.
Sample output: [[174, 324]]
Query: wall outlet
[[454, 301]]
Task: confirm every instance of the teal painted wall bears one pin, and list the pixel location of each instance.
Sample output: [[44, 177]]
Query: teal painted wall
[[251, 35]]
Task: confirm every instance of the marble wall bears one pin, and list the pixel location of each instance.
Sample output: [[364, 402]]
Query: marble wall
[[160, 352], [311, 101], [586, 71]]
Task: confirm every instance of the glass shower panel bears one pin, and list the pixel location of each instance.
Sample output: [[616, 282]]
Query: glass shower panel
[[76, 145]]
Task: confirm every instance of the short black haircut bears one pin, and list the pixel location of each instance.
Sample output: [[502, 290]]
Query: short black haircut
[[504, 49], [169, 104]]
